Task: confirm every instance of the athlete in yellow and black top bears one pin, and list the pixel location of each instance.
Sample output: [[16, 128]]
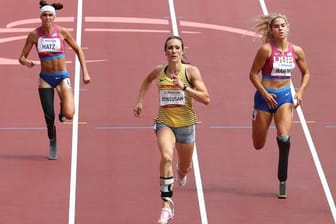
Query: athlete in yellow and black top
[[176, 107], [178, 84]]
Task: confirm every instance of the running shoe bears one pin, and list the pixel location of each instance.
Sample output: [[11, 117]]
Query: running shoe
[[165, 216], [282, 190], [182, 181]]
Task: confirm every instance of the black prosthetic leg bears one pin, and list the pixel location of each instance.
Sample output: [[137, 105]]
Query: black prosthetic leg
[[47, 102], [284, 146]]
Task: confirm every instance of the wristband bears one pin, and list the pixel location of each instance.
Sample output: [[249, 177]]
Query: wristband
[[184, 87]]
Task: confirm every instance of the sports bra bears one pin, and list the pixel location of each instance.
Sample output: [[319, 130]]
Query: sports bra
[[50, 46], [280, 64]]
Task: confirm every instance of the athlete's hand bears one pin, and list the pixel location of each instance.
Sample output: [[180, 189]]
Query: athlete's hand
[[177, 81], [138, 109], [86, 78], [297, 100], [30, 64], [271, 100]]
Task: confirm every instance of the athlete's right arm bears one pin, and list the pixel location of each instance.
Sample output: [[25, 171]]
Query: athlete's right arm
[[144, 88], [257, 65], [260, 59], [23, 60]]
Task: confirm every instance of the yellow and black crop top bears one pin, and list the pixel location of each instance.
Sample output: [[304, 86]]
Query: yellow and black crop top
[[176, 107]]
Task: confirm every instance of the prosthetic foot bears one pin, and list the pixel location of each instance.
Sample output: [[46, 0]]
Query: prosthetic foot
[[53, 147], [282, 190]]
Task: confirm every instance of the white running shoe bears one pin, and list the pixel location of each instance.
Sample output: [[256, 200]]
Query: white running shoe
[[182, 181], [165, 216]]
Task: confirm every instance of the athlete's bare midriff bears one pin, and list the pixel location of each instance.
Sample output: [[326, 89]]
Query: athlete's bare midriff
[[54, 65], [275, 84]]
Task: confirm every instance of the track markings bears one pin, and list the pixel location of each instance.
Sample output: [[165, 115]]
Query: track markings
[[197, 174], [74, 148]]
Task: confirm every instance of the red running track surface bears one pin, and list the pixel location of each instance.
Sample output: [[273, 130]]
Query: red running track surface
[[117, 172]]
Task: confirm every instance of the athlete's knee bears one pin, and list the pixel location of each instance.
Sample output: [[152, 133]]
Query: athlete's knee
[[68, 114], [259, 140], [166, 159], [283, 142], [258, 145], [283, 138]]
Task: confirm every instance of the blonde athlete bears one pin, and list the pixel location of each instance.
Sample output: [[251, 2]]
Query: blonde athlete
[[178, 84], [49, 40], [275, 60]]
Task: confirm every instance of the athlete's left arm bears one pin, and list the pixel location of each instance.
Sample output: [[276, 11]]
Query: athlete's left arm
[[305, 74], [198, 91], [79, 52]]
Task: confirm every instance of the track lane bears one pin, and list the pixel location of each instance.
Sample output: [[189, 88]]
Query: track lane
[[116, 168], [239, 95]]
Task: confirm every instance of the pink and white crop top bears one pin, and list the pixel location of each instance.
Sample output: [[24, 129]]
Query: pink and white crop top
[[280, 64], [50, 46]]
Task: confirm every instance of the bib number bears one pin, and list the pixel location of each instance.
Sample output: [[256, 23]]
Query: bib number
[[172, 98]]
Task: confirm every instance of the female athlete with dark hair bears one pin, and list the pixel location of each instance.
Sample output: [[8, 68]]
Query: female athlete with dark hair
[[178, 84], [49, 40]]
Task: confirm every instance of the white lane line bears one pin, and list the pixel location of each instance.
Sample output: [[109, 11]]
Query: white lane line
[[173, 17], [197, 174], [73, 172]]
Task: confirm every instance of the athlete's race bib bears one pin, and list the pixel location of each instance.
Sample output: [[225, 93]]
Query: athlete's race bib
[[49, 45], [172, 98], [283, 66]]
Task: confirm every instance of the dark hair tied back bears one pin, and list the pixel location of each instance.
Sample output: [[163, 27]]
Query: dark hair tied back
[[57, 6]]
